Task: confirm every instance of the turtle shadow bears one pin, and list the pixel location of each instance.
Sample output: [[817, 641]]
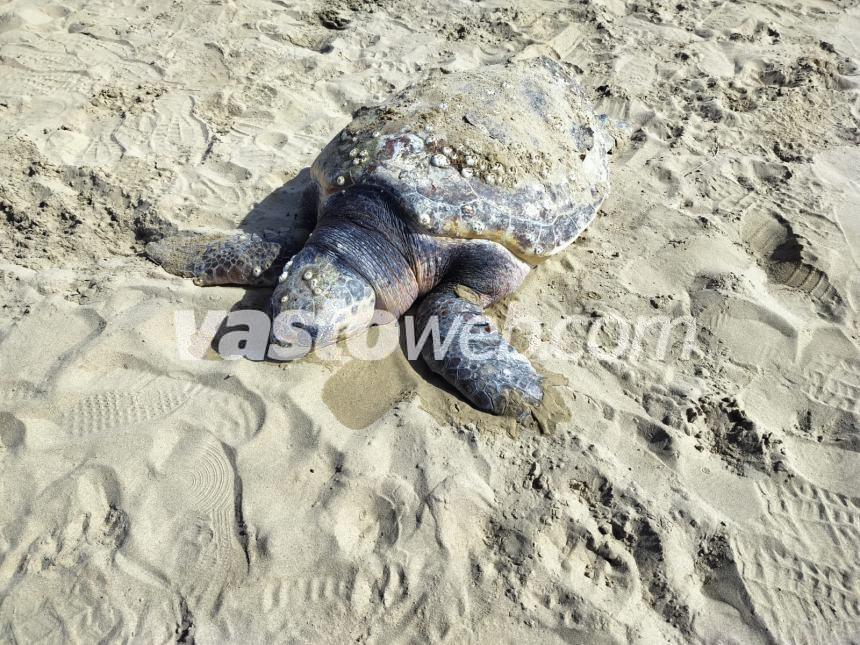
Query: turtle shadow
[[254, 298], [290, 209]]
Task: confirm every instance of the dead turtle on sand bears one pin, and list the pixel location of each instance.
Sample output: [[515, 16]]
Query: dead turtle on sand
[[447, 194]]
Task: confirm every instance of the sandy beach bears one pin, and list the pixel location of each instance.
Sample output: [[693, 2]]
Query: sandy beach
[[700, 487]]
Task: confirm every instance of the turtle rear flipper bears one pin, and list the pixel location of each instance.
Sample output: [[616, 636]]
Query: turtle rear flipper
[[254, 259]]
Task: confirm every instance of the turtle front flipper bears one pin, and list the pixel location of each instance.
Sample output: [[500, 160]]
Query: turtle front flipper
[[254, 259], [463, 347]]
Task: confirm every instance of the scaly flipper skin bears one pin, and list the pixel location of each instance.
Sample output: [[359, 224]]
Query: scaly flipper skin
[[473, 356], [254, 259]]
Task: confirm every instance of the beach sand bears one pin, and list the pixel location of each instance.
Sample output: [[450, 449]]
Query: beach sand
[[707, 494]]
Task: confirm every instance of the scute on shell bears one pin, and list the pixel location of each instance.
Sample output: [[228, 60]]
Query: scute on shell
[[533, 150]]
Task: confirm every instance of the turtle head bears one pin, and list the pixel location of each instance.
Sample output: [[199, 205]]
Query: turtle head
[[319, 300]]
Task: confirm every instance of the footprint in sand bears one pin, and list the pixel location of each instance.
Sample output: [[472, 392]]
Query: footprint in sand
[[591, 573], [195, 501], [213, 184], [139, 400], [14, 393], [66, 576], [799, 577], [751, 332], [811, 518], [782, 255], [834, 381], [170, 129], [727, 192], [111, 59], [24, 346], [75, 148], [123, 410], [799, 599], [605, 557], [31, 72]]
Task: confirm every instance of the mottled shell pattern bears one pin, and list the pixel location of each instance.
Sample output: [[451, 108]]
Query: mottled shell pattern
[[512, 153]]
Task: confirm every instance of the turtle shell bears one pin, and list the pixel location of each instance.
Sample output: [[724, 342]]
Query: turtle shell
[[512, 153]]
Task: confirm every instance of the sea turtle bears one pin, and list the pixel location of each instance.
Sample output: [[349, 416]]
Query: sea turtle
[[446, 194]]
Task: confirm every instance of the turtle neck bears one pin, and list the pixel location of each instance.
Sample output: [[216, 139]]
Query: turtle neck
[[360, 227]]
